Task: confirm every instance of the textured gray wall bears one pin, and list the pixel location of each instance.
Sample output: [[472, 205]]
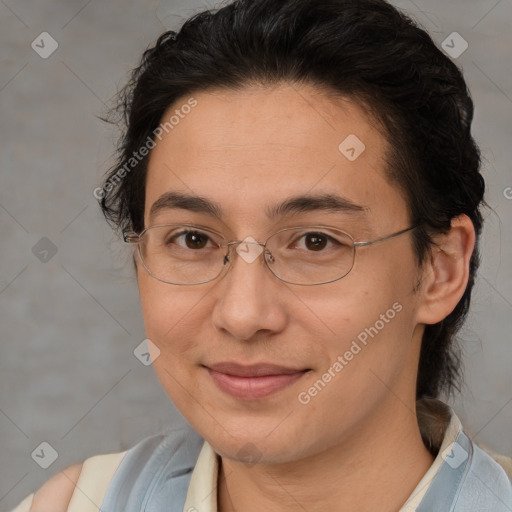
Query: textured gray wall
[[69, 325]]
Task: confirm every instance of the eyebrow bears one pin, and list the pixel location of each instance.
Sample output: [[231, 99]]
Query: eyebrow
[[330, 203]]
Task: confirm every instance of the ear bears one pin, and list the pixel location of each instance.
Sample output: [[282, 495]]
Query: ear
[[445, 276]]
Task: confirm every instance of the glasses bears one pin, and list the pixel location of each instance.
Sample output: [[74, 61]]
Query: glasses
[[186, 254]]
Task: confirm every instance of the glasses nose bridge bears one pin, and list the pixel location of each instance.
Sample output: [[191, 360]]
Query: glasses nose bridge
[[250, 242], [231, 245]]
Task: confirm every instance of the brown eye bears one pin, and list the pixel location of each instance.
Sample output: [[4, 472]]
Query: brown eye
[[190, 240], [315, 241], [195, 240]]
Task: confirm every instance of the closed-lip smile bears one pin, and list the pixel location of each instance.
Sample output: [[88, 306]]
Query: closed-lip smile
[[252, 382]]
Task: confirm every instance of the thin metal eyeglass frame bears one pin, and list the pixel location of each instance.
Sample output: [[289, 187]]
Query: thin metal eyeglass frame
[[131, 237]]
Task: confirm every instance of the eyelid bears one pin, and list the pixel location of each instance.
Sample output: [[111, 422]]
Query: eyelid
[[330, 240], [191, 226], [229, 236], [183, 230]]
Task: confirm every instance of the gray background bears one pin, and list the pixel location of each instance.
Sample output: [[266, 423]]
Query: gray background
[[69, 326]]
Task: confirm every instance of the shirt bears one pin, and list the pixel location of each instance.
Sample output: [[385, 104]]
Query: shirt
[[202, 491], [177, 471]]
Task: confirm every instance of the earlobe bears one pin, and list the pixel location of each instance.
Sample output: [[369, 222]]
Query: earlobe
[[446, 276]]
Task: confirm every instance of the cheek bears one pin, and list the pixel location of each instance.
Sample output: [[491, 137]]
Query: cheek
[[155, 307], [371, 318], [168, 324], [168, 314]]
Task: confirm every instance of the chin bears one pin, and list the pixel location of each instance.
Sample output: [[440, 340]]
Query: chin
[[251, 440]]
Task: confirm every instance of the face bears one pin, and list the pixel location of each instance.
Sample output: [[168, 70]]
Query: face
[[342, 352]]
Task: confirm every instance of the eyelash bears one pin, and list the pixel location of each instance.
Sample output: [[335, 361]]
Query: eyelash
[[300, 237]]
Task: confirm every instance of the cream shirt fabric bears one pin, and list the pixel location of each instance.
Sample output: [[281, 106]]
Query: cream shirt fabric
[[202, 490], [97, 473], [91, 486]]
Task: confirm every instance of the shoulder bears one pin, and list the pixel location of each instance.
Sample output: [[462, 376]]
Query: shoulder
[[92, 477], [116, 476], [55, 494]]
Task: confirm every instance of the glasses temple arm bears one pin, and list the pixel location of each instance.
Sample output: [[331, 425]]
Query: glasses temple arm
[[387, 237], [129, 237]]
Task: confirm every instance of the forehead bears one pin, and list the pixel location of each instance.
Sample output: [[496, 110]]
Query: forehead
[[249, 149]]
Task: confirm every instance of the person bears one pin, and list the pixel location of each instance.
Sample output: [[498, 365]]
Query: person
[[303, 194]]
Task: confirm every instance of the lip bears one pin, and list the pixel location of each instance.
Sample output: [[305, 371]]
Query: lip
[[253, 382]]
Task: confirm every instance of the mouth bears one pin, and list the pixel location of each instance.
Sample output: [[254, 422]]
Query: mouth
[[253, 382]]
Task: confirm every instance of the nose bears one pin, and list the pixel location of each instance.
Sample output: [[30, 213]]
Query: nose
[[247, 296]]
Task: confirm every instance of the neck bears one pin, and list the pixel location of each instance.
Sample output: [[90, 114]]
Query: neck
[[379, 464]]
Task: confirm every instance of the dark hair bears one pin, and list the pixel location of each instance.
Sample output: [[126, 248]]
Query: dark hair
[[366, 50]]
